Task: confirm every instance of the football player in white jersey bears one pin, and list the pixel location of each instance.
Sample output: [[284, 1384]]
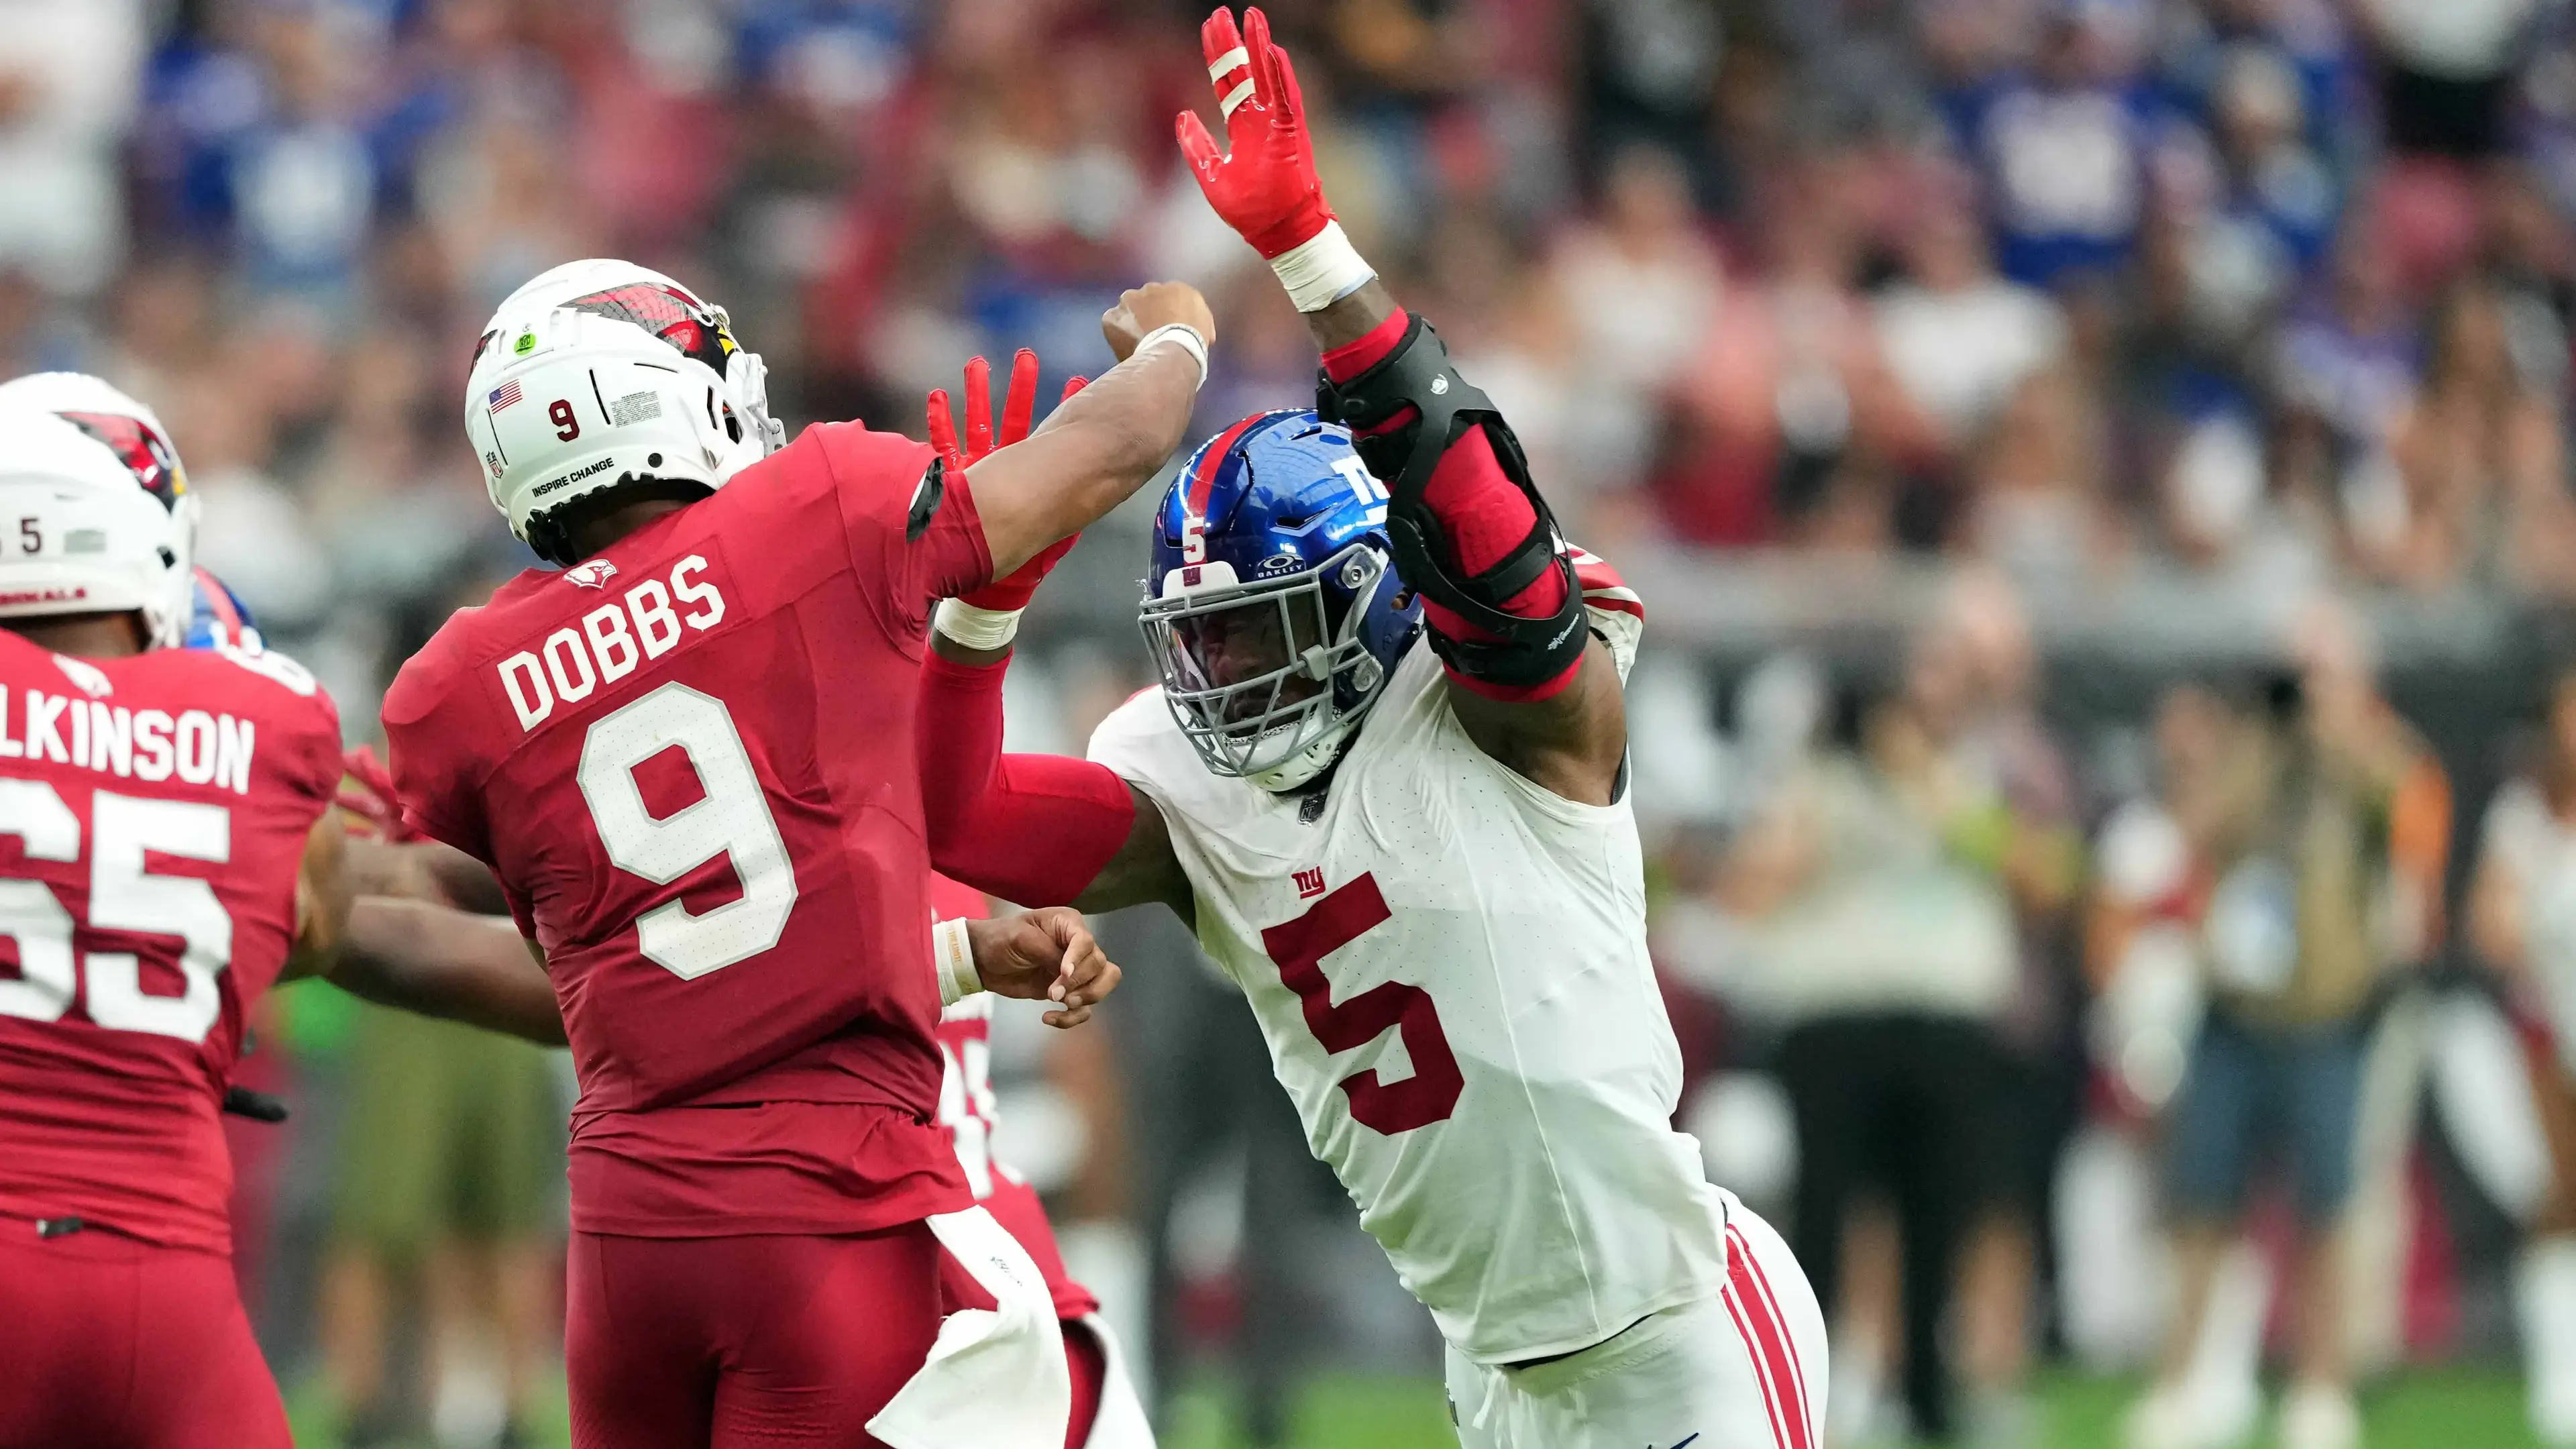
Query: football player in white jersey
[[1384, 776]]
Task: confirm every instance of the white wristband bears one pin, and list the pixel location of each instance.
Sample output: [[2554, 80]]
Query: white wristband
[[1183, 336], [952, 958], [1322, 269], [977, 628]]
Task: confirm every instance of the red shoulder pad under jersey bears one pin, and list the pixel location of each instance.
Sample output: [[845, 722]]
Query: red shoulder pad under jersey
[[911, 524], [153, 817]]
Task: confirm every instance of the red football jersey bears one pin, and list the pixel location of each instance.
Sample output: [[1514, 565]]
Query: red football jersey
[[689, 761], [966, 1109], [153, 813]]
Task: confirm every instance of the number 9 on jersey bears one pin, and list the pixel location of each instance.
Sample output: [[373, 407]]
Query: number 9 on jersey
[[732, 819]]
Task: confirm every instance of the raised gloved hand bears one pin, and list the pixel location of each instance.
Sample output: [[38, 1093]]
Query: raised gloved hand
[[1011, 593], [1264, 184]]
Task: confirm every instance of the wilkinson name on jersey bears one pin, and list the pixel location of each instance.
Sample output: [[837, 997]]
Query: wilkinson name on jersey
[[195, 746]]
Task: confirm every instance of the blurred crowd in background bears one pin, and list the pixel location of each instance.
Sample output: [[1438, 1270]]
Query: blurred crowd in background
[[2097, 470]]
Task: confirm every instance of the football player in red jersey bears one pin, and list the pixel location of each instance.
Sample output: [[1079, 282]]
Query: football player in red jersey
[[166, 851], [687, 756]]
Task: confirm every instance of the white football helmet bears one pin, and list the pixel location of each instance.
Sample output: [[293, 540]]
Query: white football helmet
[[94, 534], [603, 372]]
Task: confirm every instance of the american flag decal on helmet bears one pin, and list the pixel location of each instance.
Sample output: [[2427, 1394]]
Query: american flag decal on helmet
[[502, 396]]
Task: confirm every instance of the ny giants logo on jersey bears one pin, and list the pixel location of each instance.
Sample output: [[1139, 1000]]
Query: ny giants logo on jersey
[[612, 640], [1310, 883]]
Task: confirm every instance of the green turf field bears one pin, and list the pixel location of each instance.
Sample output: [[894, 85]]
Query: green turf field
[[2438, 1409], [2432, 1409]]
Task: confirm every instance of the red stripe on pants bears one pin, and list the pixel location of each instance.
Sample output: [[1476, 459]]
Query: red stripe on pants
[[1775, 1357]]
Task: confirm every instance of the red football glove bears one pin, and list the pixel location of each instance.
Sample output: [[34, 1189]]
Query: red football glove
[[1019, 407], [1264, 186], [367, 791]]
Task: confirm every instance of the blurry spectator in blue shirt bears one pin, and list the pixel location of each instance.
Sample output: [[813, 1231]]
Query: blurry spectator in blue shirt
[[2065, 150]]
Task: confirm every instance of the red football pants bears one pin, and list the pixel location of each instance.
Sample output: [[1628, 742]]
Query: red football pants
[[732, 1343], [112, 1343]]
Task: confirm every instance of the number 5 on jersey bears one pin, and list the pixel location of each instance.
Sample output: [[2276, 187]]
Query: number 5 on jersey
[[1299, 948]]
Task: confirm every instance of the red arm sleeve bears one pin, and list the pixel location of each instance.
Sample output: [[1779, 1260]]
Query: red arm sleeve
[[1032, 829], [1483, 514]]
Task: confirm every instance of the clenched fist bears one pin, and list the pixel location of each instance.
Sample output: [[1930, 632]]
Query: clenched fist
[[1156, 304]]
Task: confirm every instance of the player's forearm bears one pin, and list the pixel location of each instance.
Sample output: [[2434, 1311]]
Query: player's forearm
[[1092, 453], [460, 880], [381, 868], [1116, 433], [1032, 829], [423, 870], [450, 964], [1348, 319]]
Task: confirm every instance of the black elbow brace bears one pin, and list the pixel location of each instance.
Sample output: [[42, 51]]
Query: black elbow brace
[[1417, 376]]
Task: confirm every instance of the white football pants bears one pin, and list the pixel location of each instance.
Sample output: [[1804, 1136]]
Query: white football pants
[[1742, 1370]]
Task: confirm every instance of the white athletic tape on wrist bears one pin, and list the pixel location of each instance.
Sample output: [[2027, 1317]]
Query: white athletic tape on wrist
[[1183, 336], [1322, 269], [977, 628], [952, 954]]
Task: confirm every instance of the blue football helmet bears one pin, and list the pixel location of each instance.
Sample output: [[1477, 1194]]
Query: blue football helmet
[[1271, 602], [220, 619]]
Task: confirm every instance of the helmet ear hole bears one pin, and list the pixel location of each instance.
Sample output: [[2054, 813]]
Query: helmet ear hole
[[733, 425]]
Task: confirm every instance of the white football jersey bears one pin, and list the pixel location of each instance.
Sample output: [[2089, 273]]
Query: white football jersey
[[1449, 964]]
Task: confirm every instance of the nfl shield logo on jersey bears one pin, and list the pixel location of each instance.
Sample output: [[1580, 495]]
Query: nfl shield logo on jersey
[[593, 574]]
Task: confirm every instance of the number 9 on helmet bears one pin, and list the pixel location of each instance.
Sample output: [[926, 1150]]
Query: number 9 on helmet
[[600, 375]]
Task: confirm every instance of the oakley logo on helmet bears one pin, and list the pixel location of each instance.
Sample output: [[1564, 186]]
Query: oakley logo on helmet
[[143, 451]]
